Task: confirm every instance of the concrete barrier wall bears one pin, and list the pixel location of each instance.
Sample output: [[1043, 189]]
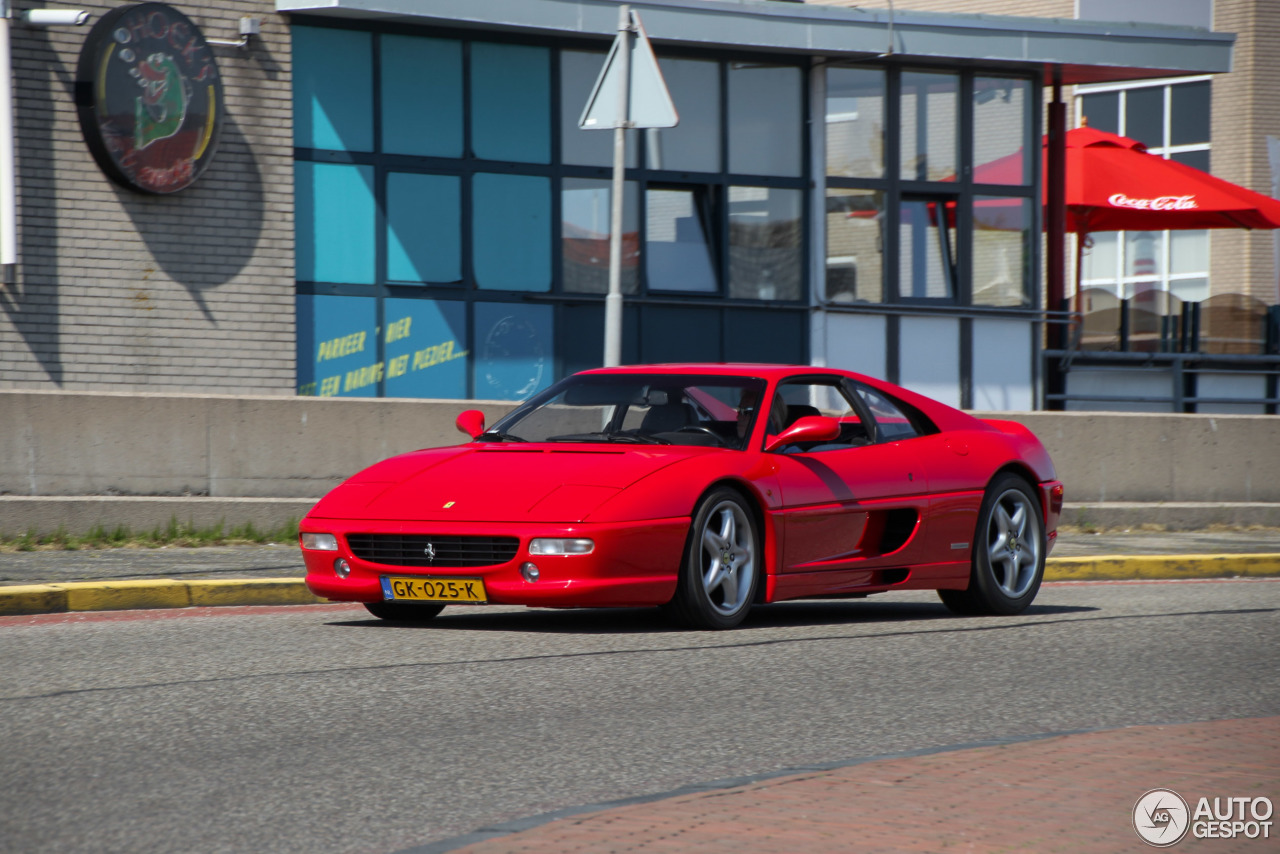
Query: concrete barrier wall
[[1116, 456], [93, 443]]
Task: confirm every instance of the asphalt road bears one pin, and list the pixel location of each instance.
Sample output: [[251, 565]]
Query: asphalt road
[[314, 729], [283, 560]]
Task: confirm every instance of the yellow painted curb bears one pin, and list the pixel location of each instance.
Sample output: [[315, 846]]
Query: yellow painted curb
[[126, 595], [1124, 567], [253, 591], [168, 593], [32, 599]]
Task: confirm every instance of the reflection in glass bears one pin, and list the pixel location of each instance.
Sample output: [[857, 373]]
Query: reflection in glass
[[1001, 130], [1142, 252], [1100, 255], [765, 116], [1189, 251], [855, 246], [855, 122], [585, 212], [1100, 324], [764, 243], [1190, 290], [1001, 251], [929, 115], [694, 144], [677, 251], [925, 252], [578, 73]]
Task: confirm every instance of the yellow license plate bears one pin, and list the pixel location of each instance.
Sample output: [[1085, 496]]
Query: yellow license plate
[[433, 589]]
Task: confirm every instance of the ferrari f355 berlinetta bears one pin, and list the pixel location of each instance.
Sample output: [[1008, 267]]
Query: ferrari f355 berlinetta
[[701, 489]]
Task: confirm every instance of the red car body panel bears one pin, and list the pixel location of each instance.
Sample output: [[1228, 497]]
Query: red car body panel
[[891, 515]]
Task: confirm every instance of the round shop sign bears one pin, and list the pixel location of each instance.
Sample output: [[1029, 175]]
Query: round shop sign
[[149, 98]]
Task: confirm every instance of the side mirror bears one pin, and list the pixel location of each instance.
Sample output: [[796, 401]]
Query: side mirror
[[470, 422], [811, 428]]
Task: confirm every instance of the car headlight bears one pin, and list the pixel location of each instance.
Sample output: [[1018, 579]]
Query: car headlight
[[558, 546], [319, 542]]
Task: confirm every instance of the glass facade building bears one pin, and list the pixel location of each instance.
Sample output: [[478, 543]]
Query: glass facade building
[[877, 212], [453, 221]]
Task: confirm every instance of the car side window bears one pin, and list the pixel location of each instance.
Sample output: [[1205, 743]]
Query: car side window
[[893, 423], [802, 398]]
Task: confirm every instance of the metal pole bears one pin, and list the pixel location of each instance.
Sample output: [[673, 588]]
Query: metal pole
[[613, 302], [8, 194]]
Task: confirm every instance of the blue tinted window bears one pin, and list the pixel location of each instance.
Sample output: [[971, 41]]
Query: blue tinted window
[[424, 228], [511, 232], [421, 96], [337, 346], [332, 89], [511, 102], [513, 350], [334, 222], [765, 107], [426, 347]]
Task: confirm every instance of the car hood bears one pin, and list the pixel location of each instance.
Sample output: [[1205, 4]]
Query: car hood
[[496, 483]]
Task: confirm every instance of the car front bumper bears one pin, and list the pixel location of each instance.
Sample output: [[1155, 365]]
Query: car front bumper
[[632, 564]]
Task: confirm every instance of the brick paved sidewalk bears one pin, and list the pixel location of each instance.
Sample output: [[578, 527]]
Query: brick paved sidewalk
[[1071, 793]]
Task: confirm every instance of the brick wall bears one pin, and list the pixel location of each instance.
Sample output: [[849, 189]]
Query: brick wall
[[120, 291], [1246, 109]]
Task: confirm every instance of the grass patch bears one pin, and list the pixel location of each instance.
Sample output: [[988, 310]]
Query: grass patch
[[174, 534]]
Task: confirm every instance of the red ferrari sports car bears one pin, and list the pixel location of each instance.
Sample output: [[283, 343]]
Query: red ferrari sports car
[[704, 489]]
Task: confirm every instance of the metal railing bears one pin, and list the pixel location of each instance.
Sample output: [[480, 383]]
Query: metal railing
[[1196, 356]]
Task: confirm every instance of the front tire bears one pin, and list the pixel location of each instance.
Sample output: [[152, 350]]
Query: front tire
[[1009, 550], [402, 612], [722, 564]]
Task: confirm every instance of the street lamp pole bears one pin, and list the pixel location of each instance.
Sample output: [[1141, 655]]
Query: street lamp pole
[[613, 301]]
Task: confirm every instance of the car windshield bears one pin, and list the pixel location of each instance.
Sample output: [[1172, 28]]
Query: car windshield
[[640, 409]]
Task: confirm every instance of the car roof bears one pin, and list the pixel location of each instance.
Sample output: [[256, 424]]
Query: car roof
[[737, 369], [943, 416]]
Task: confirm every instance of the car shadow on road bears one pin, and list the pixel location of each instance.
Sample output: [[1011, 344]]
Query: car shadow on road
[[615, 621]]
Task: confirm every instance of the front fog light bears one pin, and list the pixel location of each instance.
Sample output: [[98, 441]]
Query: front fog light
[[529, 571], [319, 542], [558, 546], [341, 568]]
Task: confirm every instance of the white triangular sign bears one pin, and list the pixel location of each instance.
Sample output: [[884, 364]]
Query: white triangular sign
[[650, 103]]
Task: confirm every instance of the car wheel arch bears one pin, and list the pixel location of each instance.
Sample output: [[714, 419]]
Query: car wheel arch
[[755, 504], [1017, 469]]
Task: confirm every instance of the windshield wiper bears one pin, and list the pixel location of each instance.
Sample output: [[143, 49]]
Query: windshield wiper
[[498, 436], [633, 438]]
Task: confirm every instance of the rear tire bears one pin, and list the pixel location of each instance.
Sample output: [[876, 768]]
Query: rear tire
[[722, 564], [1009, 550], [402, 612]]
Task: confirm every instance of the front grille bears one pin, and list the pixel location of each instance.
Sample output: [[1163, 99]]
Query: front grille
[[447, 550]]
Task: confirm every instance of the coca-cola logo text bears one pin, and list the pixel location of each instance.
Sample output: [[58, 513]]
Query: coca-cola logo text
[[1161, 203]]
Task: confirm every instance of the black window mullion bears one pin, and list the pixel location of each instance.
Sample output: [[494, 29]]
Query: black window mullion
[[380, 222], [893, 193], [962, 264]]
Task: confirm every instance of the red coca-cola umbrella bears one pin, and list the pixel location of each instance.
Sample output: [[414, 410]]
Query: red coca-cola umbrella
[[1113, 184]]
